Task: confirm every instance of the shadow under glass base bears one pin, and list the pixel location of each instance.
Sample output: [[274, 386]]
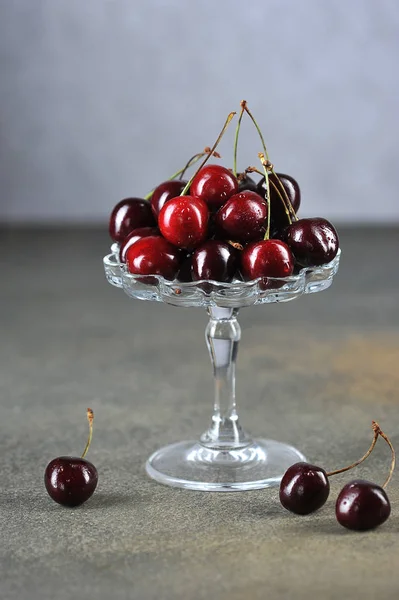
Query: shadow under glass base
[[194, 466]]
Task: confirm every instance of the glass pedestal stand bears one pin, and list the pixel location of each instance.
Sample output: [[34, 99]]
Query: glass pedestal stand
[[225, 458]]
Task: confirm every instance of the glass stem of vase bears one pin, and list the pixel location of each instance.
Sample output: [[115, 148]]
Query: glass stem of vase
[[222, 336]]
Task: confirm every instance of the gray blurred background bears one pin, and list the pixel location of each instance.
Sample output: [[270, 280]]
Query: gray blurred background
[[100, 99]]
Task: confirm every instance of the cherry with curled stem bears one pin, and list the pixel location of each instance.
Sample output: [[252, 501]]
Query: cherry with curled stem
[[180, 173], [221, 134], [282, 188]]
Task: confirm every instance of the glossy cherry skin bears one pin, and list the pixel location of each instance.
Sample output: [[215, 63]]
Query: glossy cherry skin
[[247, 183], [214, 260], [129, 214], [214, 184], [165, 192], [243, 218], [268, 259], [153, 255], [185, 274], [278, 215], [135, 236], [70, 480], [183, 221], [313, 241], [304, 488], [362, 505]]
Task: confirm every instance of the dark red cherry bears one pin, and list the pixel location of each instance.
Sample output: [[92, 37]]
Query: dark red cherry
[[164, 192], [313, 241], [214, 184], [185, 274], [214, 260], [183, 221], [153, 255], [134, 236], [243, 218], [278, 215], [247, 183], [362, 505], [70, 480], [127, 215], [304, 488], [268, 259]]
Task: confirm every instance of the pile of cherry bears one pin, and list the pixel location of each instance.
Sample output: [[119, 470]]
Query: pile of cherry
[[221, 225]]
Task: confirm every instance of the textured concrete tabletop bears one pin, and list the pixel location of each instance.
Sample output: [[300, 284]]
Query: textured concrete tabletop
[[313, 372]]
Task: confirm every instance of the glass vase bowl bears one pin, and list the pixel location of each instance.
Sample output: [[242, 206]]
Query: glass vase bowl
[[225, 458]]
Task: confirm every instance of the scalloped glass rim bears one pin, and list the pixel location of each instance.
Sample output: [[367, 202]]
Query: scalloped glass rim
[[214, 293]]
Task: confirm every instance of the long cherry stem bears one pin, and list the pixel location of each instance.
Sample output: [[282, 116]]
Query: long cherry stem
[[243, 104], [265, 167], [287, 212], [377, 433], [191, 162], [282, 188], [226, 124], [377, 428], [355, 464], [90, 417]]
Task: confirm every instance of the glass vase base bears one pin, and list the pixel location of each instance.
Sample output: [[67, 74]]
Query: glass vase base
[[195, 466]]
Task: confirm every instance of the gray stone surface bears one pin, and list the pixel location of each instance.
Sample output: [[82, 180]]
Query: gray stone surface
[[314, 372]]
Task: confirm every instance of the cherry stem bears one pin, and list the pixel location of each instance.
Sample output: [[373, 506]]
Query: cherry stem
[[287, 212], [355, 464], [243, 104], [257, 129], [90, 417], [379, 431], [212, 150], [195, 159], [180, 172], [287, 204], [265, 166]]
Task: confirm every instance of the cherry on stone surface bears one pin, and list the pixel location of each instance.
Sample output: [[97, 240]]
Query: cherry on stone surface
[[134, 236], [129, 214], [313, 241], [304, 488], [243, 218], [183, 221], [267, 259], [214, 184], [71, 480], [153, 255], [165, 192], [362, 505], [214, 260]]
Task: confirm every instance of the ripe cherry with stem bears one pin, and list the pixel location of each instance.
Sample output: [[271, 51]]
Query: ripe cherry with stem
[[305, 487], [363, 505], [71, 480]]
